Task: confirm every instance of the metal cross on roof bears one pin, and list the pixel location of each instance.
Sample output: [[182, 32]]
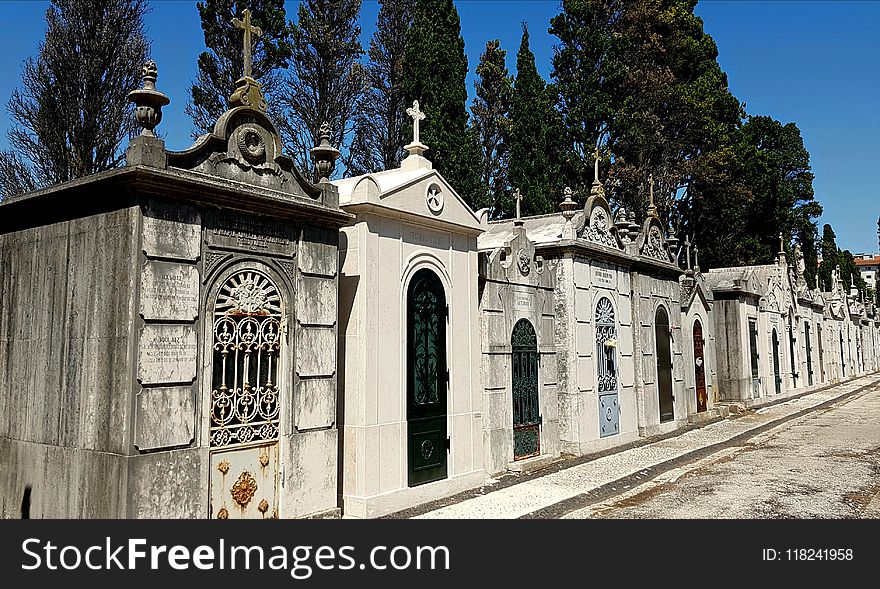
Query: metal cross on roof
[[417, 116], [248, 30]]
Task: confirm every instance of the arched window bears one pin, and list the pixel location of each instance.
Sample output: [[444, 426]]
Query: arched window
[[427, 378], [606, 368], [247, 345]]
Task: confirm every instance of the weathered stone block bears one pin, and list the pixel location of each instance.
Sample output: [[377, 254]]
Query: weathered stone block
[[316, 301], [315, 403], [167, 354], [165, 418], [316, 351], [317, 252], [309, 470], [172, 232], [169, 485]]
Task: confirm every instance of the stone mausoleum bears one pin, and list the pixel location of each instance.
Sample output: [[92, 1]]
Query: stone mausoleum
[[168, 331], [214, 333]]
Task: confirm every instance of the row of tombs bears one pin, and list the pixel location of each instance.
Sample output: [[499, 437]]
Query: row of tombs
[[208, 333]]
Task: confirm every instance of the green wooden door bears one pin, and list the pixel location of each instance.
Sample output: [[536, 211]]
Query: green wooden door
[[427, 379]]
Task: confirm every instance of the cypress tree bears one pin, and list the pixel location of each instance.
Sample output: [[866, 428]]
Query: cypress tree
[[491, 112], [223, 63], [379, 124], [533, 141], [830, 257], [434, 72]]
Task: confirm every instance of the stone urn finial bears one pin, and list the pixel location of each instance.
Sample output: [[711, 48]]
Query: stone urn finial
[[568, 205], [324, 154], [148, 101]]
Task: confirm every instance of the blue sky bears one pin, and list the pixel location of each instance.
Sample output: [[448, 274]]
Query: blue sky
[[813, 62]]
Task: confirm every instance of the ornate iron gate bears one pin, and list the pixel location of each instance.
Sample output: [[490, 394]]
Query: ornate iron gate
[[791, 350], [821, 354], [664, 365], [699, 367], [606, 368], [245, 398], [427, 379], [777, 378], [526, 411]]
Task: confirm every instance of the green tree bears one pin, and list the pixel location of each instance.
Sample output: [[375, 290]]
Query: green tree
[[223, 62], [434, 72], [381, 119], [849, 272], [71, 114], [491, 113], [534, 138], [749, 192], [326, 79], [830, 258], [642, 79], [586, 71]]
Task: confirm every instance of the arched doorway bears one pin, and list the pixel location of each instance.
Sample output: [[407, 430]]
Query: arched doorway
[[606, 368], [777, 377], [246, 393], [664, 365], [427, 378], [699, 367], [808, 349], [524, 383]]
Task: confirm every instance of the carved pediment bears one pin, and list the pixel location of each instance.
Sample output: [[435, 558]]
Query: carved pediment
[[598, 228], [652, 242], [245, 147]]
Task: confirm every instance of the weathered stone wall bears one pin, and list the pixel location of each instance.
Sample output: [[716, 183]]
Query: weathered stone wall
[[66, 362], [732, 337], [650, 292], [508, 296], [580, 283]]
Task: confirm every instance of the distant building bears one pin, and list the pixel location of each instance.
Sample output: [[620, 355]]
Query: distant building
[[868, 265]]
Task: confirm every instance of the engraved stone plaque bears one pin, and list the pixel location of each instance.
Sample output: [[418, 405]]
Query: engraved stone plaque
[[172, 232], [169, 291], [243, 232], [167, 354], [523, 301], [425, 237], [602, 276]]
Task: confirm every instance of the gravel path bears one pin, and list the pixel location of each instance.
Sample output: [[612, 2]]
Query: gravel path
[[558, 493]]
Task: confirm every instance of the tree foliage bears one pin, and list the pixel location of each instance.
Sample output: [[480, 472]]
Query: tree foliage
[[491, 113], [534, 138], [71, 114], [381, 119], [642, 79], [434, 72], [325, 79], [223, 62], [830, 258], [751, 191]]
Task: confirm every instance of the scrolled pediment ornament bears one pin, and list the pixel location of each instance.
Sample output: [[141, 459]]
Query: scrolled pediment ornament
[[598, 229], [653, 247], [524, 263]]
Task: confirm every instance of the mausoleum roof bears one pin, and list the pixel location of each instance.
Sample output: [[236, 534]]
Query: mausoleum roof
[[540, 229]]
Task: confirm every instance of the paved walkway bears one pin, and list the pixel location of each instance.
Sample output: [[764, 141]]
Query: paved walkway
[[563, 491]]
